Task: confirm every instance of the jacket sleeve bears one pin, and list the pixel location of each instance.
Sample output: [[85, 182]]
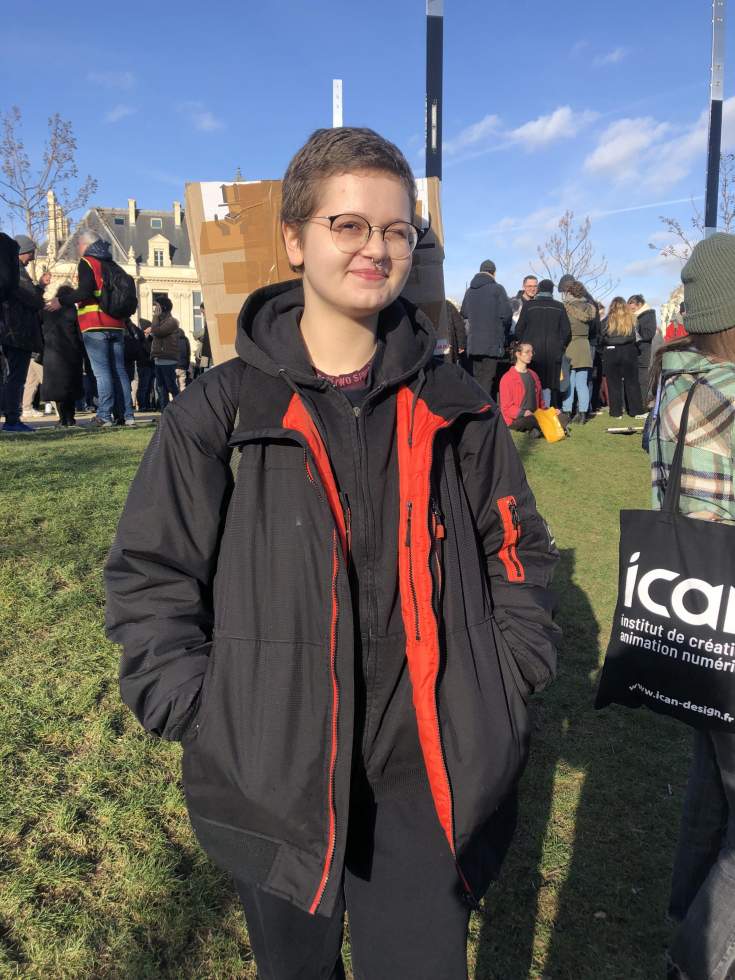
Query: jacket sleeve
[[647, 326], [565, 329], [160, 570], [505, 310], [509, 405], [505, 513], [28, 294], [164, 328], [86, 286], [521, 324]]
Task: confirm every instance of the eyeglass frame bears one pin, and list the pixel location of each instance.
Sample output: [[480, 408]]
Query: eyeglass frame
[[331, 218]]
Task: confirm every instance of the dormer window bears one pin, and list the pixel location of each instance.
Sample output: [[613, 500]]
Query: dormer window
[[156, 222], [158, 256]]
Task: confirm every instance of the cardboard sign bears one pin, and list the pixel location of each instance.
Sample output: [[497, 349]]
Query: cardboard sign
[[238, 247]]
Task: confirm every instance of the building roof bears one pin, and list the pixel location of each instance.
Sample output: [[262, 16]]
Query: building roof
[[113, 225]]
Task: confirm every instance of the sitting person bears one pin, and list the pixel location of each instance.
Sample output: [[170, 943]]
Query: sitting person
[[521, 394]]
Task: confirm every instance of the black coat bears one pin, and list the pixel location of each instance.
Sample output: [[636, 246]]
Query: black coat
[[645, 332], [20, 324], [545, 325], [184, 359], [487, 309], [63, 356], [236, 602]]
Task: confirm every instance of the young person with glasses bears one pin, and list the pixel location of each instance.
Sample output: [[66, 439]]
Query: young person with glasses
[[344, 636]]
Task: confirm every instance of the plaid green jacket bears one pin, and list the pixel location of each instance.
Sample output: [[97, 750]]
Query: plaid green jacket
[[709, 451]]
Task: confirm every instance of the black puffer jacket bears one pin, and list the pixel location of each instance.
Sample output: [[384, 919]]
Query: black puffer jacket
[[243, 609], [545, 325], [20, 322], [487, 309]]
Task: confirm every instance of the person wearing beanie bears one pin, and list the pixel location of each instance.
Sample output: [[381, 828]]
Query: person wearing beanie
[[164, 329], [544, 324], [103, 335], [489, 316], [20, 336], [703, 884]]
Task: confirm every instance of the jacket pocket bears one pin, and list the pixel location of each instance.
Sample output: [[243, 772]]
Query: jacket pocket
[[193, 729]]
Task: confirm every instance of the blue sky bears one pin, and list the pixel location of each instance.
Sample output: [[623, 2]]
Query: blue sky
[[599, 108]]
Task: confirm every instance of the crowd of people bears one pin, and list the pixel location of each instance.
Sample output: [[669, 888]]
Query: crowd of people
[[68, 355], [572, 353]]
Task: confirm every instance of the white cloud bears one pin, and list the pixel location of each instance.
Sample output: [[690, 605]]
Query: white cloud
[[472, 135], [613, 57], [656, 155], [647, 267], [200, 117], [119, 112], [562, 123], [488, 135], [621, 146], [122, 80]]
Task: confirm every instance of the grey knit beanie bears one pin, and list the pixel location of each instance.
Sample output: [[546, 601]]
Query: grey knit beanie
[[709, 285], [26, 245]]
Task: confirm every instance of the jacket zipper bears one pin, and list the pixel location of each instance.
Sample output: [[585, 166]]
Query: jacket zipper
[[411, 582], [438, 534], [508, 554], [335, 731]]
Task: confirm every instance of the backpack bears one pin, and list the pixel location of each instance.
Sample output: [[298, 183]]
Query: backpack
[[9, 267], [119, 298]]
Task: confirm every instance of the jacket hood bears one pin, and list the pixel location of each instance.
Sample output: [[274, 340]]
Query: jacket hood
[[100, 250], [269, 338], [481, 279]]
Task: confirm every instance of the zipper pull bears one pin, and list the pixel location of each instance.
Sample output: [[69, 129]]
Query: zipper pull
[[408, 525], [348, 521], [357, 411], [514, 513], [440, 531]]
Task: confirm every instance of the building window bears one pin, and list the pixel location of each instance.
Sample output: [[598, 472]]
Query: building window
[[196, 299], [158, 256], [119, 221], [156, 223]]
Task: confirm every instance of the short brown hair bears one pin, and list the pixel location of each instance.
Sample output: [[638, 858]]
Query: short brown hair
[[329, 152]]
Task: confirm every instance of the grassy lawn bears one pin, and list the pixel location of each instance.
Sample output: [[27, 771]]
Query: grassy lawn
[[100, 876]]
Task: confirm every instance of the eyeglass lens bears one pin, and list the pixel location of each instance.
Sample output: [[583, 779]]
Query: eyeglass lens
[[351, 231]]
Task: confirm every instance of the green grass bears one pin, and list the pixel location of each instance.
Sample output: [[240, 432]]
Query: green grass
[[100, 876]]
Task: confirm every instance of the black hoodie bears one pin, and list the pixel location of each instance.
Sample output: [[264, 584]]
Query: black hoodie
[[367, 603]]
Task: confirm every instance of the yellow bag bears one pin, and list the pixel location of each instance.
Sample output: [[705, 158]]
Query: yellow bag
[[549, 424]]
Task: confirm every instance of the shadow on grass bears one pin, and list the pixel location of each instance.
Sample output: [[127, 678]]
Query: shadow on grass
[[515, 904]]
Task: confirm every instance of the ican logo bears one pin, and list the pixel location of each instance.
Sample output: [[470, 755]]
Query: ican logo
[[717, 607]]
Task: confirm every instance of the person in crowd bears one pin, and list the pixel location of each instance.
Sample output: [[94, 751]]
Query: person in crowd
[[183, 363], [703, 885], [487, 310], [203, 359], [164, 349], [144, 367], [582, 318], [528, 290], [645, 330], [675, 330], [369, 473], [620, 359], [134, 350], [452, 347], [521, 392], [102, 334], [598, 394], [544, 325], [63, 358], [32, 387], [20, 335], [516, 305]]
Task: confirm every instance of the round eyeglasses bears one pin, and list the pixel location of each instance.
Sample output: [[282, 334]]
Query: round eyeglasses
[[351, 232]]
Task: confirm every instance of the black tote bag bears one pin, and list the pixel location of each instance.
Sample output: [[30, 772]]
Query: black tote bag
[[672, 647]]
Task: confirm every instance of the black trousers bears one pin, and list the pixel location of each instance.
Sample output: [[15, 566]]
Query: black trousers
[[621, 371], [484, 371], [408, 918], [66, 411]]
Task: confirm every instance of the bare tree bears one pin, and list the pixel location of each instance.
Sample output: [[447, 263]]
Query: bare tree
[[24, 187], [569, 251], [685, 239]]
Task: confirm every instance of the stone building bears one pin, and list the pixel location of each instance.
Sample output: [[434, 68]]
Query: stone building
[[152, 246]]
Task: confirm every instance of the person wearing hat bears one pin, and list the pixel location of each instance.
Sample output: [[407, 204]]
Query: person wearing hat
[[165, 349], [703, 886], [544, 324], [20, 335], [487, 308]]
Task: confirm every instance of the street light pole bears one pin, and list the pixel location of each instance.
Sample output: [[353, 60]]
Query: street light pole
[[717, 84], [434, 58]]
